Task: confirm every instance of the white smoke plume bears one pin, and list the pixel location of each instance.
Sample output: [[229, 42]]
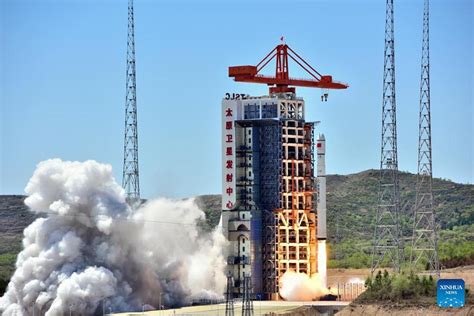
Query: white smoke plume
[[301, 287], [356, 281], [92, 251]]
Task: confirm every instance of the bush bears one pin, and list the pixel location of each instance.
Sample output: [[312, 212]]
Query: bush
[[403, 288], [456, 252], [397, 287]]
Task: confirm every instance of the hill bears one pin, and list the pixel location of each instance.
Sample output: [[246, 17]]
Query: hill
[[352, 201], [351, 204]]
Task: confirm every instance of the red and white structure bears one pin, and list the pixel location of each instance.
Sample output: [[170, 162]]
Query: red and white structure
[[269, 212]]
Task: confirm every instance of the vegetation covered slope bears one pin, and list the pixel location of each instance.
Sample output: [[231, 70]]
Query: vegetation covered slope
[[351, 201]]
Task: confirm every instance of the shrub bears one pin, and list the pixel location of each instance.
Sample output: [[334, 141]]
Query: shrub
[[396, 287], [401, 289]]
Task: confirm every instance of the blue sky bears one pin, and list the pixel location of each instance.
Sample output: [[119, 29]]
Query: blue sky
[[62, 84]]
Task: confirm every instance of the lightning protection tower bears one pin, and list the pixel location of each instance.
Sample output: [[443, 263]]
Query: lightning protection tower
[[130, 179], [424, 242], [247, 303], [229, 299], [387, 236]]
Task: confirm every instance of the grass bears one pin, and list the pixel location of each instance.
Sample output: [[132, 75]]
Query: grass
[[7, 267]]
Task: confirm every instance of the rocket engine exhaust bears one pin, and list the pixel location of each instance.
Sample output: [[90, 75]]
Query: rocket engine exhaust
[[90, 251], [296, 286], [322, 263]]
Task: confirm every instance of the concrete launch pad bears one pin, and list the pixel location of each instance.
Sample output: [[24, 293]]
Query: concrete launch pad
[[260, 308]]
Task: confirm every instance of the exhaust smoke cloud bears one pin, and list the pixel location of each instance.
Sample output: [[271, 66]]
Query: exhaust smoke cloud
[[302, 287], [92, 251], [296, 286]]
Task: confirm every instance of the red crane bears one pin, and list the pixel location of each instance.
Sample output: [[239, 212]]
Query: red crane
[[282, 81]]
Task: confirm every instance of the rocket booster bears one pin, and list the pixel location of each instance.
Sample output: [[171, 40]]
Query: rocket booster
[[321, 183]]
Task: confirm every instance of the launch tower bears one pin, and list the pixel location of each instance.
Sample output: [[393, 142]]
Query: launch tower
[[268, 182]]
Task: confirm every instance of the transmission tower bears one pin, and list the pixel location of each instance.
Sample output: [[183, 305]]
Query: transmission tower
[[130, 180], [247, 303], [425, 243], [229, 300], [387, 236]]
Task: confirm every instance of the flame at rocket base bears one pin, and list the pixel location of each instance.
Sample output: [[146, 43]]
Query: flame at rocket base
[[322, 263], [299, 286]]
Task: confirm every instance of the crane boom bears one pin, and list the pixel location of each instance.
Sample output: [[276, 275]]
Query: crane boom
[[282, 81]]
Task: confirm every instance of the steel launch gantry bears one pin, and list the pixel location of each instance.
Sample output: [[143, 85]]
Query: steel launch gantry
[[275, 183]]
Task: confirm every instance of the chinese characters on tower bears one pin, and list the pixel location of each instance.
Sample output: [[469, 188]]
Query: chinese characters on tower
[[228, 152]]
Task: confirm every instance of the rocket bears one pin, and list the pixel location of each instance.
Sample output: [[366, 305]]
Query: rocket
[[321, 183]]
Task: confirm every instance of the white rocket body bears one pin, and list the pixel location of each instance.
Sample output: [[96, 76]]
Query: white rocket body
[[321, 182]]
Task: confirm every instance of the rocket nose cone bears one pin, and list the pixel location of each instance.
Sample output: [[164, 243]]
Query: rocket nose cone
[[321, 137]]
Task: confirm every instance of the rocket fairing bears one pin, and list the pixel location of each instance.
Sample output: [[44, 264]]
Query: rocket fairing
[[321, 182]]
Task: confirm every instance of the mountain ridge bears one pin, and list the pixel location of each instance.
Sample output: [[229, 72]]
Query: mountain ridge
[[351, 203]]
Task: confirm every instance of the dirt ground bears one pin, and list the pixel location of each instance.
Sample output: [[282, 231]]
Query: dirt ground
[[466, 273], [362, 310], [337, 276], [346, 275]]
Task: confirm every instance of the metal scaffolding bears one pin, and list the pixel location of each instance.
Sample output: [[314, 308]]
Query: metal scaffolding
[[244, 154], [309, 178], [296, 225], [270, 165], [276, 185], [310, 189], [270, 180]]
